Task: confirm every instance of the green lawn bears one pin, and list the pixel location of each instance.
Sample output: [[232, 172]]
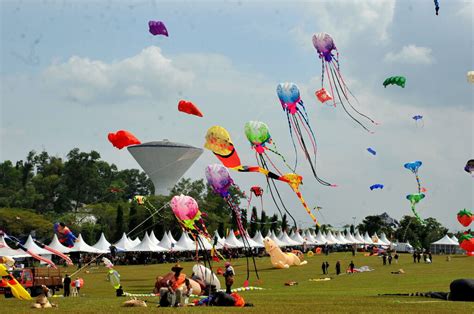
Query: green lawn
[[345, 293]]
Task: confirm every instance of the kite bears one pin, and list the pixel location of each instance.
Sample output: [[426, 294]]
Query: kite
[[436, 3], [55, 252], [418, 117], [157, 28], [187, 212], [469, 168], [325, 46], [370, 150], [395, 80], [466, 242], [218, 177], [415, 199], [122, 138], [470, 77], [298, 119], [257, 191], [189, 108], [16, 244], [219, 142], [376, 186], [465, 217], [65, 236], [413, 167]]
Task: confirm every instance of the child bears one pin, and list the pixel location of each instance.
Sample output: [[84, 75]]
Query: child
[[229, 277]]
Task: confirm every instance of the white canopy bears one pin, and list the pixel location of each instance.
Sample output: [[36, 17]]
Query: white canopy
[[258, 238], [205, 242], [445, 241], [359, 238], [277, 241], [5, 250], [170, 236], [166, 243], [296, 236], [102, 245], [253, 243], [309, 238], [147, 246], [367, 239], [340, 238], [184, 243], [125, 244], [454, 239], [81, 246], [286, 239], [331, 239], [56, 245], [383, 237], [33, 247], [321, 239], [350, 238], [377, 241], [153, 237], [232, 242], [135, 241]]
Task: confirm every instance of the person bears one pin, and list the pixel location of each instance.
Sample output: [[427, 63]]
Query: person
[[119, 291], [384, 259], [172, 295], [396, 258], [77, 282], [353, 251], [327, 268], [430, 257], [418, 256], [326, 249], [323, 266], [338, 267], [390, 259], [351, 265], [67, 285], [229, 277], [414, 257]]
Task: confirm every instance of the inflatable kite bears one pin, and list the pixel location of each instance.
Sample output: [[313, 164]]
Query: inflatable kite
[[206, 275], [65, 236], [55, 252], [395, 80], [114, 278], [16, 244], [465, 217], [157, 28], [218, 178], [122, 138], [370, 150], [7, 280], [219, 142], [189, 108], [436, 2], [298, 120], [280, 259], [469, 168], [470, 77], [376, 186], [187, 212], [418, 118], [325, 46], [415, 199], [413, 167], [466, 242]]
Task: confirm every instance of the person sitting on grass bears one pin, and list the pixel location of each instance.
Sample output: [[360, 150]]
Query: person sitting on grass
[[172, 295]]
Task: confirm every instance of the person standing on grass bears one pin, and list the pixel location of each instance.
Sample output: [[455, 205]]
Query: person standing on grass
[[78, 285], [67, 285], [396, 258], [351, 266], [384, 259], [430, 256], [390, 258], [338, 267], [414, 257], [327, 268], [323, 267], [418, 256]]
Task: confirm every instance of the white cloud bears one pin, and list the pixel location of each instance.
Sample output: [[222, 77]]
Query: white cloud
[[411, 54], [148, 75], [466, 11]]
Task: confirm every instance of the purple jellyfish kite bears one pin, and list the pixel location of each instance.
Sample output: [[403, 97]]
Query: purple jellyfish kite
[[325, 47], [157, 28]]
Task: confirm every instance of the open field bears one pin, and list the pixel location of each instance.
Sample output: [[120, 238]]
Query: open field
[[345, 293]]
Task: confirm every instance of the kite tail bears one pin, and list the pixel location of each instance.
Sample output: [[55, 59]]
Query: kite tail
[[55, 252], [38, 257], [346, 89], [420, 220], [271, 163], [292, 139], [303, 202], [418, 182], [276, 152], [330, 84]]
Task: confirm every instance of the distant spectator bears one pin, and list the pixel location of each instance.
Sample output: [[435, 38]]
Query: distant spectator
[[396, 258], [327, 268], [67, 285], [390, 259], [384, 259], [338, 267], [351, 266]]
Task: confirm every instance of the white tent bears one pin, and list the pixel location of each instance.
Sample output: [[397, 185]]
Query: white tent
[[377, 241], [321, 239], [340, 238], [258, 238], [367, 239], [445, 244], [170, 236], [5, 250], [331, 239], [124, 243], [309, 238], [251, 242], [184, 243], [135, 241], [359, 238], [383, 237], [153, 238], [350, 238], [56, 245], [455, 239], [286, 239], [34, 248], [277, 241], [147, 246], [166, 243], [232, 242], [296, 236], [81, 246], [102, 245]]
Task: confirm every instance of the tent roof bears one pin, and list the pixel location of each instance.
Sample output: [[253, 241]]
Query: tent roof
[[383, 237], [286, 239], [232, 242], [309, 238], [445, 241], [166, 242], [103, 245], [340, 238], [321, 239], [367, 239], [153, 238], [81, 246], [55, 244], [5, 250], [251, 242], [359, 238], [350, 238], [184, 243], [258, 238], [125, 243], [171, 237], [377, 240], [33, 247], [454, 239], [277, 241], [296, 236], [331, 239], [147, 246]]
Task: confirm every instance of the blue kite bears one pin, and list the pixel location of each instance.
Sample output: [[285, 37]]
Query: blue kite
[[370, 150], [376, 186]]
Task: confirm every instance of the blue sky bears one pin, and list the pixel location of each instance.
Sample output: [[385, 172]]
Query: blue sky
[[72, 71]]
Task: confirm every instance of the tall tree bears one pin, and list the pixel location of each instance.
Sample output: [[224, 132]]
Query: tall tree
[[375, 224]]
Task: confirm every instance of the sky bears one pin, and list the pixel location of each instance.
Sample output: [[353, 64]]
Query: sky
[[73, 71]]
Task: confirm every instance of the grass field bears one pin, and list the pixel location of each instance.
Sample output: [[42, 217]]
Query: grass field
[[345, 293]]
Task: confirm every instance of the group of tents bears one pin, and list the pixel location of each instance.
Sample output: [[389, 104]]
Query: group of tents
[[150, 243]]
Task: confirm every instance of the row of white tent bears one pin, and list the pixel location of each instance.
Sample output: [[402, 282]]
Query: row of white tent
[[150, 243]]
